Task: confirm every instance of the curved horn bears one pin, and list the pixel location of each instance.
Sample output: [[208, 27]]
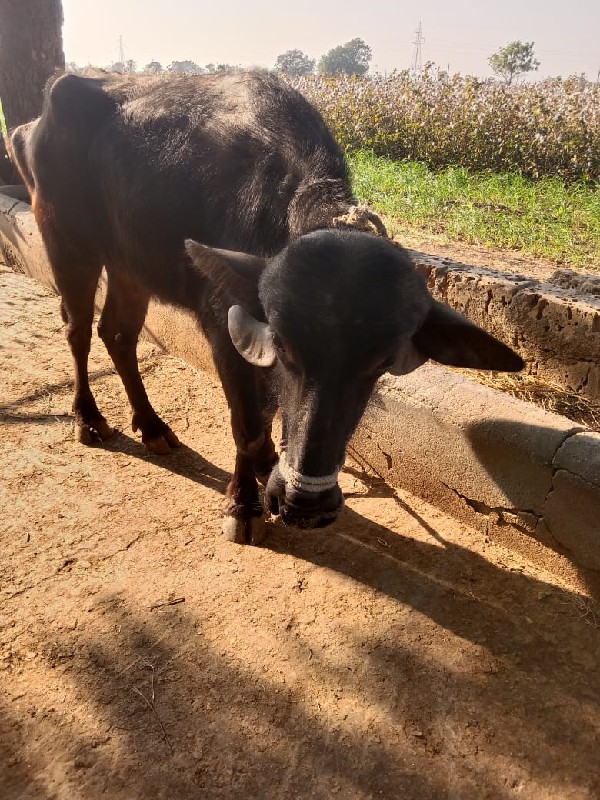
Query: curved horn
[[252, 339]]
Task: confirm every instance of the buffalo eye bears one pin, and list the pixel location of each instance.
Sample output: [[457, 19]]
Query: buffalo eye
[[285, 353]]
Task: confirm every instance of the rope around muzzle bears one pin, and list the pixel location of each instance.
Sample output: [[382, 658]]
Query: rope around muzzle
[[305, 483], [362, 218]]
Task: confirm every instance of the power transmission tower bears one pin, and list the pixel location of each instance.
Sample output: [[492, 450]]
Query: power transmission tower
[[417, 59], [121, 51]]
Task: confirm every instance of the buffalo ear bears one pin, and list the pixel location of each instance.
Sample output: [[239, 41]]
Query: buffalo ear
[[236, 274], [448, 337], [252, 339]]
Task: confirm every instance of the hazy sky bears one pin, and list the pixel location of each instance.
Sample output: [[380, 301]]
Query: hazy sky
[[461, 34]]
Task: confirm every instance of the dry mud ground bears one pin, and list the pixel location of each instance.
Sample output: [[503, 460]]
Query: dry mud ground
[[397, 654]]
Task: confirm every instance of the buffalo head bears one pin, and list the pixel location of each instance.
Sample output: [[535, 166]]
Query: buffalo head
[[327, 317]]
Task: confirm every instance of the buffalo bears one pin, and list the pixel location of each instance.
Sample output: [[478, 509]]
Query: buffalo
[[228, 196]]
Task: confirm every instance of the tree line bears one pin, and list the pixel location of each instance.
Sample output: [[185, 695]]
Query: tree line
[[187, 67], [352, 58]]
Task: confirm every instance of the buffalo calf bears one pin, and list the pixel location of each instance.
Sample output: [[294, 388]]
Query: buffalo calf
[[220, 194]]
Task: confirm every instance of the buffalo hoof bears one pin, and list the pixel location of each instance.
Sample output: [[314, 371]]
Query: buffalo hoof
[[252, 530], [94, 433], [163, 444]]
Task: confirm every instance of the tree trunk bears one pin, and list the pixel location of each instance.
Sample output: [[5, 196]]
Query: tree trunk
[[30, 52]]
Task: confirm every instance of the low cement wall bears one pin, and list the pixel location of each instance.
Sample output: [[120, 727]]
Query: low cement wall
[[554, 324], [526, 477]]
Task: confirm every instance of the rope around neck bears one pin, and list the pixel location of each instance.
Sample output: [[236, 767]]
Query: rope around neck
[[361, 218]]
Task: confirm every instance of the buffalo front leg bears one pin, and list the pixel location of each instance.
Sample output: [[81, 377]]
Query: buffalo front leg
[[122, 319], [243, 522], [251, 416]]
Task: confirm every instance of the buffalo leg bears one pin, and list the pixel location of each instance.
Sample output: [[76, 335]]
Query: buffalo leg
[[251, 416], [77, 287], [122, 319]]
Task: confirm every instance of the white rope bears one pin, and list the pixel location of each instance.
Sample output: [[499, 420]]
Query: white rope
[[306, 483]]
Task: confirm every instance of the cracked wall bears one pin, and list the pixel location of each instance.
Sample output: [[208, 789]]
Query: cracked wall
[[508, 468]]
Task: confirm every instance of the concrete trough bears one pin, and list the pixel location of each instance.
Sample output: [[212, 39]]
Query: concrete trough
[[526, 477]]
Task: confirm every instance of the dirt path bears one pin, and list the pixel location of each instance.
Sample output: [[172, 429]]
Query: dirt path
[[395, 655]]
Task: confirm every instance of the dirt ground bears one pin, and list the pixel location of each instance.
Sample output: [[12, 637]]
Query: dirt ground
[[397, 654]]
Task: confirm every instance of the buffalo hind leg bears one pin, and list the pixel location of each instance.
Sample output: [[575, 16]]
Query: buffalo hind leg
[[251, 417], [119, 328], [77, 287]]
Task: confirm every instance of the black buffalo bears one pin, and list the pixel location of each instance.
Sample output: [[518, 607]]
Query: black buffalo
[[132, 173]]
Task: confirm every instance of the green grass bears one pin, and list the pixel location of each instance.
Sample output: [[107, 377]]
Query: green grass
[[546, 218]]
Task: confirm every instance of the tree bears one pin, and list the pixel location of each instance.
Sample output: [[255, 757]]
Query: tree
[[514, 59], [352, 58], [30, 51], [153, 68], [294, 63], [130, 66], [220, 68], [185, 68]]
